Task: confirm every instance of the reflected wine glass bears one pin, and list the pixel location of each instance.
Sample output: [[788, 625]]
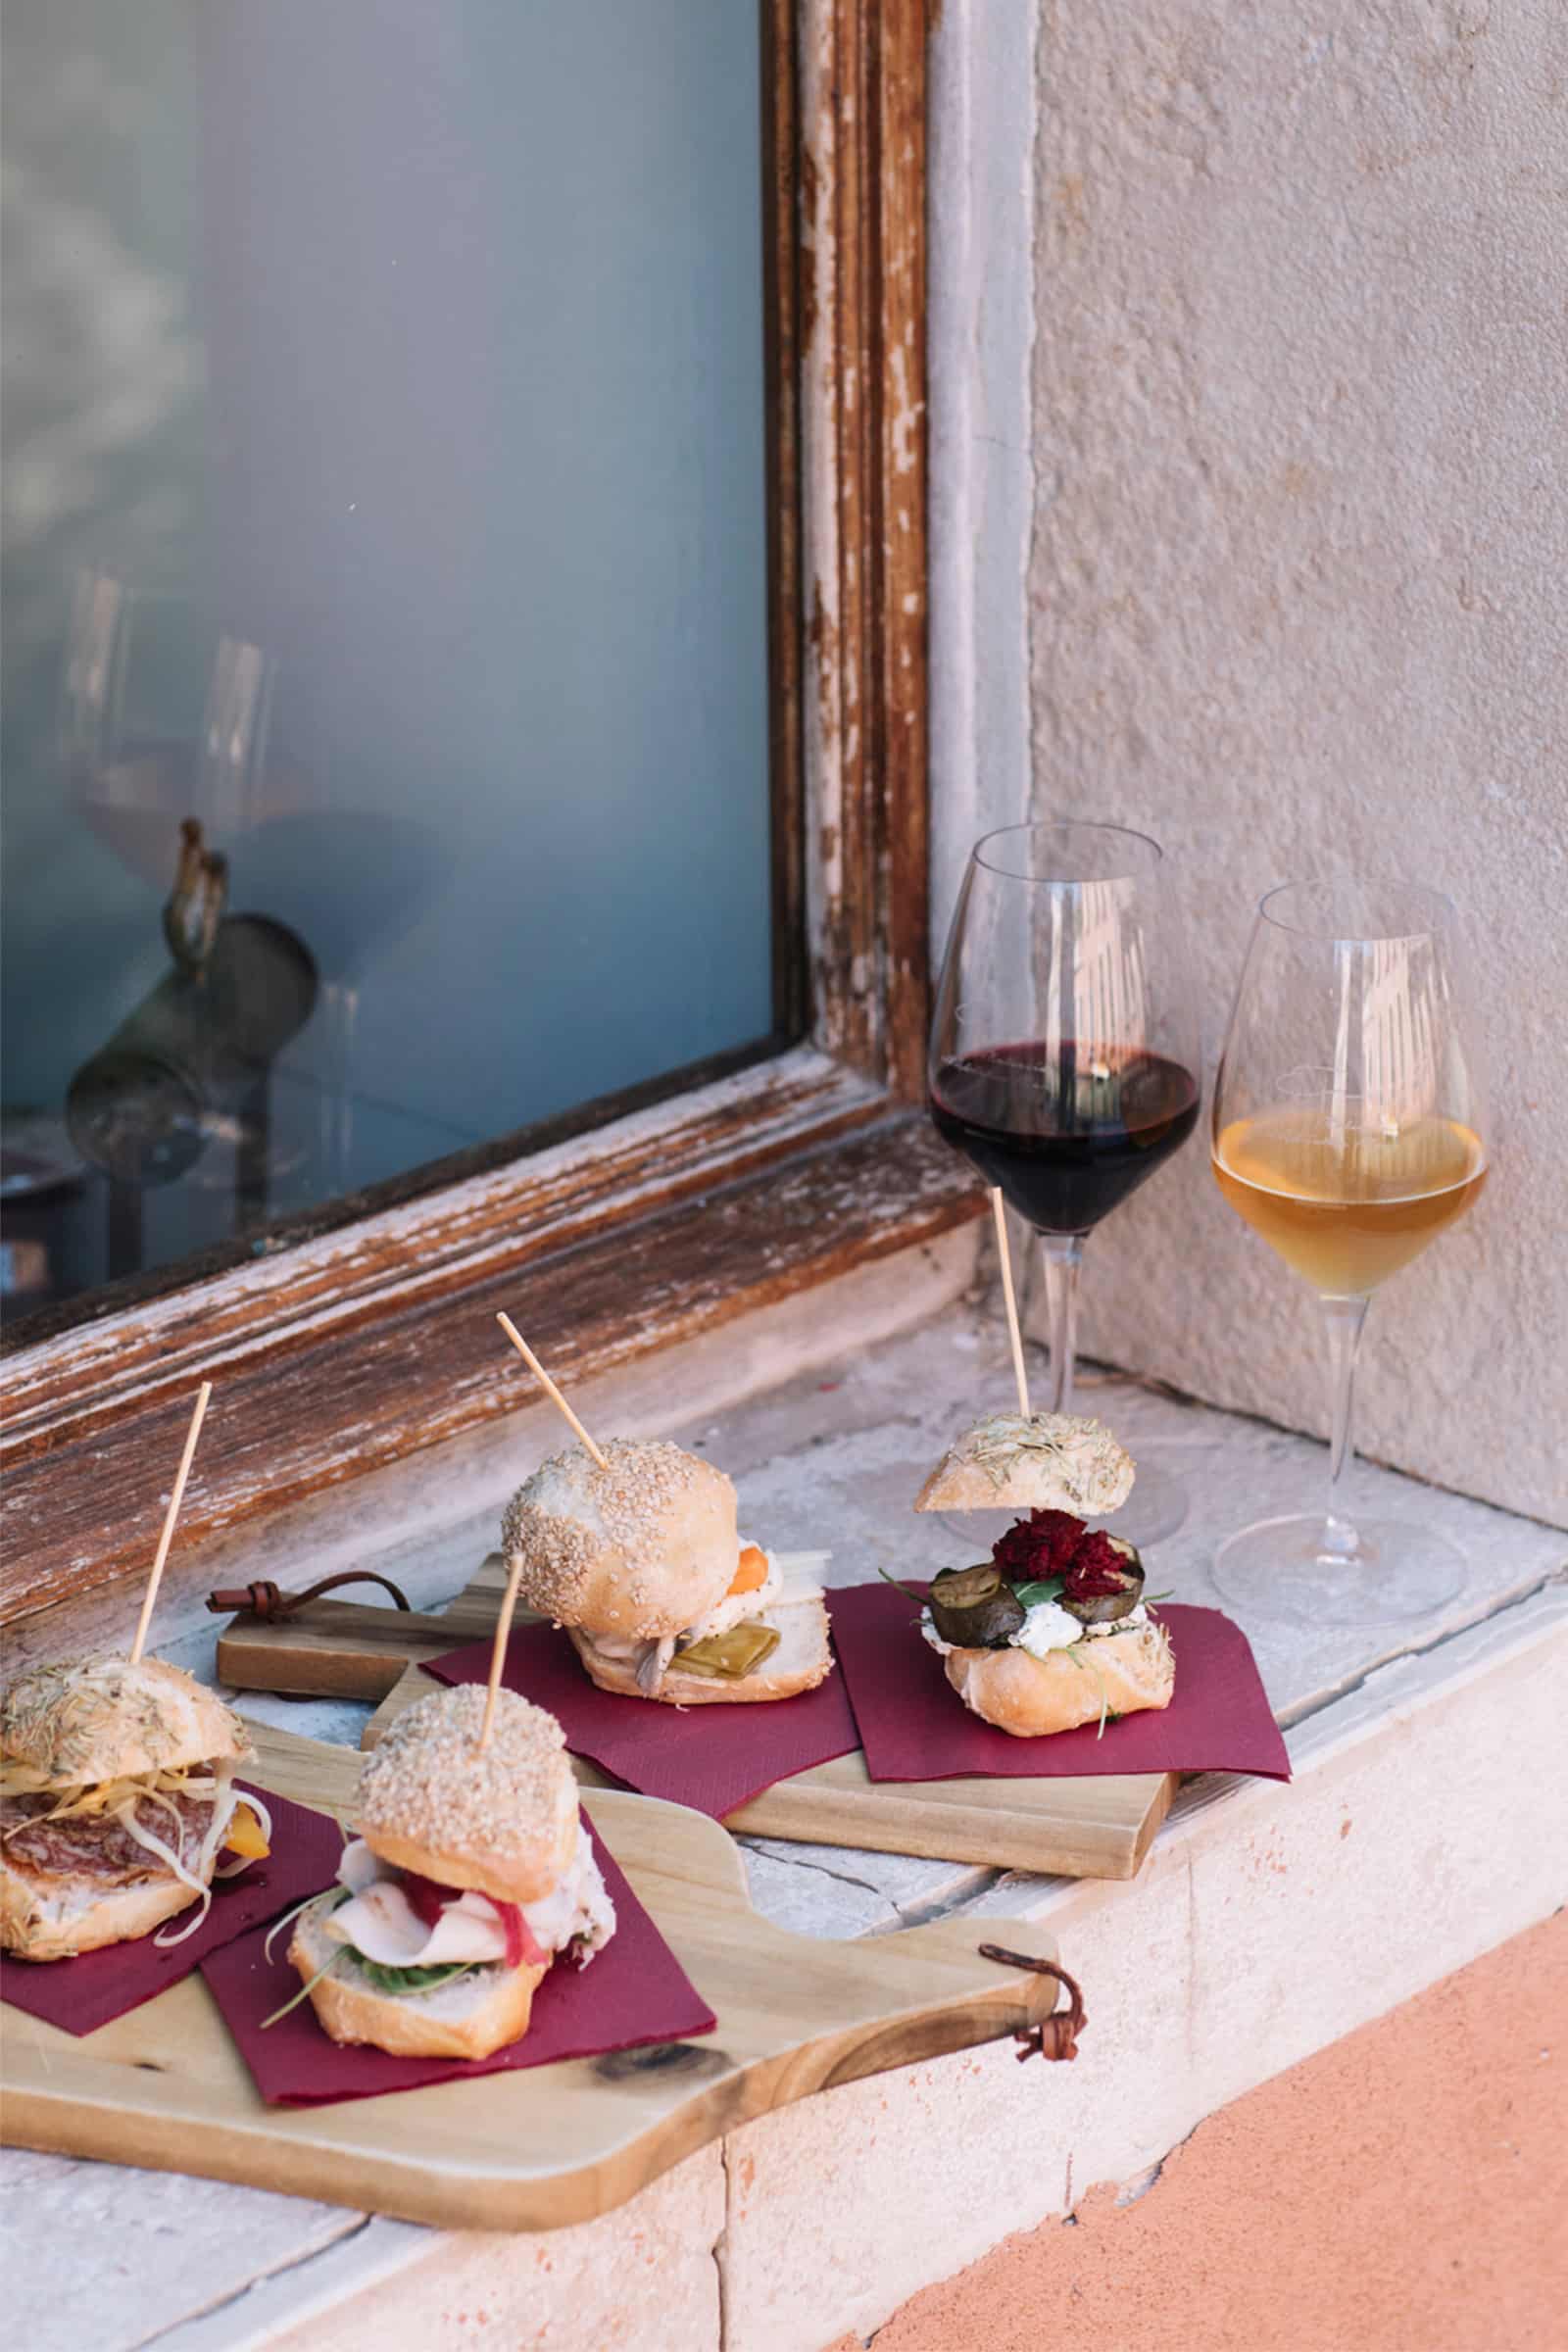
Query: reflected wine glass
[[92, 682], [1065, 1057], [1348, 1126]]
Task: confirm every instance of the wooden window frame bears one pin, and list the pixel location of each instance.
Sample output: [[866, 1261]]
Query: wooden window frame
[[374, 1337]]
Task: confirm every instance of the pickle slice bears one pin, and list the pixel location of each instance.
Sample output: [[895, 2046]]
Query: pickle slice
[[730, 1655]]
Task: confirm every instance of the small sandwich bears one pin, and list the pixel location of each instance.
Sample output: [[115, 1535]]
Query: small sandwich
[[470, 1873], [1051, 1631], [118, 1807], [1042, 1462], [643, 1566]]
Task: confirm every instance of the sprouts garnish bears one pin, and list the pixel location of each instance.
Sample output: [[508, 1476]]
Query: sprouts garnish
[[304, 1991], [302, 1905]]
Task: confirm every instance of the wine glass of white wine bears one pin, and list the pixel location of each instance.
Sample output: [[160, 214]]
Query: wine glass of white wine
[[1349, 1129]]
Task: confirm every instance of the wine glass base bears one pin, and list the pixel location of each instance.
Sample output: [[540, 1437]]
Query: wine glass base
[[1278, 1568], [971, 1534], [1157, 1508]]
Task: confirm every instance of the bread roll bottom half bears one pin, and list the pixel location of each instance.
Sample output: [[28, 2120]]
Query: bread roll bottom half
[[1110, 1674]]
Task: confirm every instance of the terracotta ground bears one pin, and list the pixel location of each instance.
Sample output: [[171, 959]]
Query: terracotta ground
[[1403, 2191]]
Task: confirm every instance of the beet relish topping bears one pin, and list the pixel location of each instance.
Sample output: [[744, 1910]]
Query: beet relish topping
[[1096, 1571], [1055, 1544], [428, 1899], [1098, 1578], [1038, 1546]]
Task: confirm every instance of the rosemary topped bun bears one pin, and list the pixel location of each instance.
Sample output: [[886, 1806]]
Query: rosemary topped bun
[[109, 1718], [1045, 1461]]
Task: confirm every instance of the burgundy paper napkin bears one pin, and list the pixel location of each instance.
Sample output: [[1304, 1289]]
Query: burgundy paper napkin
[[712, 1758], [634, 1992], [79, 1995], [915, 1727]]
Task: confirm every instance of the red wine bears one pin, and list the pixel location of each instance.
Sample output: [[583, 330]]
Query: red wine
[[1066, 1140]]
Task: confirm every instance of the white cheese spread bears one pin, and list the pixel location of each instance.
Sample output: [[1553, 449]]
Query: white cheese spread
[[1123, 1625], [1047, 1627], [944, 1649]]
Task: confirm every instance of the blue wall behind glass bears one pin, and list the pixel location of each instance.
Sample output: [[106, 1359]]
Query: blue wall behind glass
[[436, 374]]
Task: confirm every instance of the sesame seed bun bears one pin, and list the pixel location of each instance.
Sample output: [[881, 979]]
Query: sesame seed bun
[[504, 1821], [1049, 1463], [1128, 1674], [641, 1549], [99, 1719]]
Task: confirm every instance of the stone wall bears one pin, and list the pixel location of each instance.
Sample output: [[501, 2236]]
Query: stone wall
[[1295, 601]]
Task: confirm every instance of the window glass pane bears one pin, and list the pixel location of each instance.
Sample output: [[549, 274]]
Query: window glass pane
[[385, 490]]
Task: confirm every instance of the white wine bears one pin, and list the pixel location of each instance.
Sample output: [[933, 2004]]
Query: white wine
[[1347, 1206]]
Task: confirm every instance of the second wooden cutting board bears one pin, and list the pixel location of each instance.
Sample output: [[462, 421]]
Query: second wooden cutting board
[[1097, 1827]]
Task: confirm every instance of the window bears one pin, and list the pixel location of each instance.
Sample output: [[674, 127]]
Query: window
[[385, 421], [347, 1341]]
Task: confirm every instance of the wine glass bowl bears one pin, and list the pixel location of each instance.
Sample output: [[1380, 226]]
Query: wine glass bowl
[[1064, 1137], [1348, 1131], [1063, 1049], [1064, 1058]]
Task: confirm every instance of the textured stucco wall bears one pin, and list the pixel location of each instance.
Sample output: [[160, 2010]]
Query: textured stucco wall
[[1297, 597], [979, 324]]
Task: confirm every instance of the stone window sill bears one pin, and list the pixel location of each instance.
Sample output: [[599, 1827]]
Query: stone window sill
[[1266, 1922]]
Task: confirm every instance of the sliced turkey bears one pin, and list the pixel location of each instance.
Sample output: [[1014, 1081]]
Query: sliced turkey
[[381, 1922]]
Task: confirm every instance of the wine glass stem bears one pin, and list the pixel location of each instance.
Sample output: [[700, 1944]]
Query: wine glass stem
[[1345, 1318], [1062, 1253]]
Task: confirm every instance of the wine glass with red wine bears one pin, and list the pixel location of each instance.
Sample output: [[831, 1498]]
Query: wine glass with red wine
[[1064, 1057]]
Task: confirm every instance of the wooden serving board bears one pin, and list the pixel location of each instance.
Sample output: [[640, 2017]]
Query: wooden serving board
[[166, 2087], [1092, 1827]]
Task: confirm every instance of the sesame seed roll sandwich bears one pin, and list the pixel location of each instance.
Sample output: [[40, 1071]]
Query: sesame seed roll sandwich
[[639, 1558], [117, 1805], [472, 1872]]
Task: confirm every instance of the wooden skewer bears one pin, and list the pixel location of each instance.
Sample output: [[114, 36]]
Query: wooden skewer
[[170, 1516], [548, 1384], [999, 1212], [498, 1651]]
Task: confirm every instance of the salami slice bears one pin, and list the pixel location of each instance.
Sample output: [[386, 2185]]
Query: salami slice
[[101, 1847]]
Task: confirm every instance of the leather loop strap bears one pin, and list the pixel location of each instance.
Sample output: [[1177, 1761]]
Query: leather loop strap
[[1057, 2035], [270, 1607]]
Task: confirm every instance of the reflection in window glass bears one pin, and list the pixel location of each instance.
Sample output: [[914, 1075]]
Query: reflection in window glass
[[385, 710]]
